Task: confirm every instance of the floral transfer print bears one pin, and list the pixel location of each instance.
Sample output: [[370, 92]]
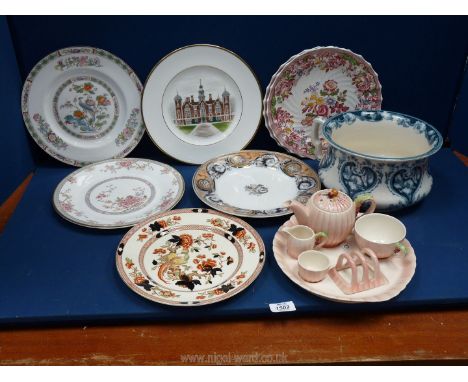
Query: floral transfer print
[[328, 94], [77, 62], [86, 107], [127, 164], [225, 288], [238, 232], [48, 134], [65, 62], [112, 196], [130, 127], [180, 259], [188, 261], [324, 102]]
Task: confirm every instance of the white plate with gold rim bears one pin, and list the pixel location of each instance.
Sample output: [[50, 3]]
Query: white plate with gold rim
[[190, 257], [118, 193], [201, 101], [82, 105]]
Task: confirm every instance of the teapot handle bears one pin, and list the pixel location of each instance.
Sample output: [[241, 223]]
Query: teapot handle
[[360, 199], [315, 136]]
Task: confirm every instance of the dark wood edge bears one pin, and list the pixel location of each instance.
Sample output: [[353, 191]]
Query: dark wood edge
[[8, 206]]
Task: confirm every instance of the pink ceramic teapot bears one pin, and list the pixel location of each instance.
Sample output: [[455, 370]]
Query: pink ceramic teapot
[[331, 211]]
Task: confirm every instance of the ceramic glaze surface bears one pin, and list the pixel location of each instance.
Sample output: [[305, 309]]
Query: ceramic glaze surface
[[202, 105], [329, 211], [319, 82], [380, 228], [201, 101], [313, 266], [397, 270], [118, 193], [356, 165], [381, 233], [190, 257], [254, 183], [82, 105]]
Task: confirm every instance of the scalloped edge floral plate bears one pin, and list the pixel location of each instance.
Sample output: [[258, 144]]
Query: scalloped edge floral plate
[[293, 135]]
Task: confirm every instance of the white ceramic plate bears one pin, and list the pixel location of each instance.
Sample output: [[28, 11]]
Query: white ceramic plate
[[201, 101], [118, 193], [190, 257], [398, 270], [82, 105], [318, 82], [254, 183]]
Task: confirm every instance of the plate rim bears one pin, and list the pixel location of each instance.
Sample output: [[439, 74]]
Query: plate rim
[[32, 132], [262, 94], [288, 212], [54, 200], [266, 108], [244, 286], [388, 295]]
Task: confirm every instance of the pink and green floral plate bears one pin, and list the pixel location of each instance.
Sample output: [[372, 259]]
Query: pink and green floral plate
[[190, 257], [318, 82], [118, 192], [82, 105]]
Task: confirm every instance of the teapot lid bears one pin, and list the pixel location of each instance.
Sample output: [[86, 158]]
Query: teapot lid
[[332, 200]]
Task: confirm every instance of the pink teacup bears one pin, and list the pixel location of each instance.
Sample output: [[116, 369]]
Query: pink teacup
[[313, 266], [382, 233]]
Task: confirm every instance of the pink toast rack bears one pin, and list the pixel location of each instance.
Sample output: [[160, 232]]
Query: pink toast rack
[[371, 278]]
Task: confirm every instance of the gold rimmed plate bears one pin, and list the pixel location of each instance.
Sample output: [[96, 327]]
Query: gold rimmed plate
[[201, 101], [254, 183], [118, 193]]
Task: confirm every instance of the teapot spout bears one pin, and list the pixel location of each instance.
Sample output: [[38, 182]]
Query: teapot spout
[[300, 211]]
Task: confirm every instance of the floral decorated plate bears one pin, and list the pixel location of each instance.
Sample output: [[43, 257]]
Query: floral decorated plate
[[319, 82], [254, 183], [201, 101], [397, 270], [118, 192], [190, 257], [82, 105]]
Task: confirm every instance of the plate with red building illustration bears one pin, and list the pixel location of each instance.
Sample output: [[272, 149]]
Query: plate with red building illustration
[[201, 97], [319, 82]]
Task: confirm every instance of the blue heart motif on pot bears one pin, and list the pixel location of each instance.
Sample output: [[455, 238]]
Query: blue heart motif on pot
[[379, 152], [405, 182], [357, 179]]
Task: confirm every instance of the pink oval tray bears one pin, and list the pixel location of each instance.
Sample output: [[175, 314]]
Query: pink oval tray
[[398, 270]]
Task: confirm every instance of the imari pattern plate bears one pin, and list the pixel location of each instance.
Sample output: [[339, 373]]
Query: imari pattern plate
[[254, 183], [190, 257], [82, 105], [319, 82], [118, 193]]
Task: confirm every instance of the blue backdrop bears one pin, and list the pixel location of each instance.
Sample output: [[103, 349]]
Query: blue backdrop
[[52, 270], [419, 60]]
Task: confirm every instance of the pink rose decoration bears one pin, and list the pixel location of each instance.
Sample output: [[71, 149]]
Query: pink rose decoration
[[321, 110], [330, 86]]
